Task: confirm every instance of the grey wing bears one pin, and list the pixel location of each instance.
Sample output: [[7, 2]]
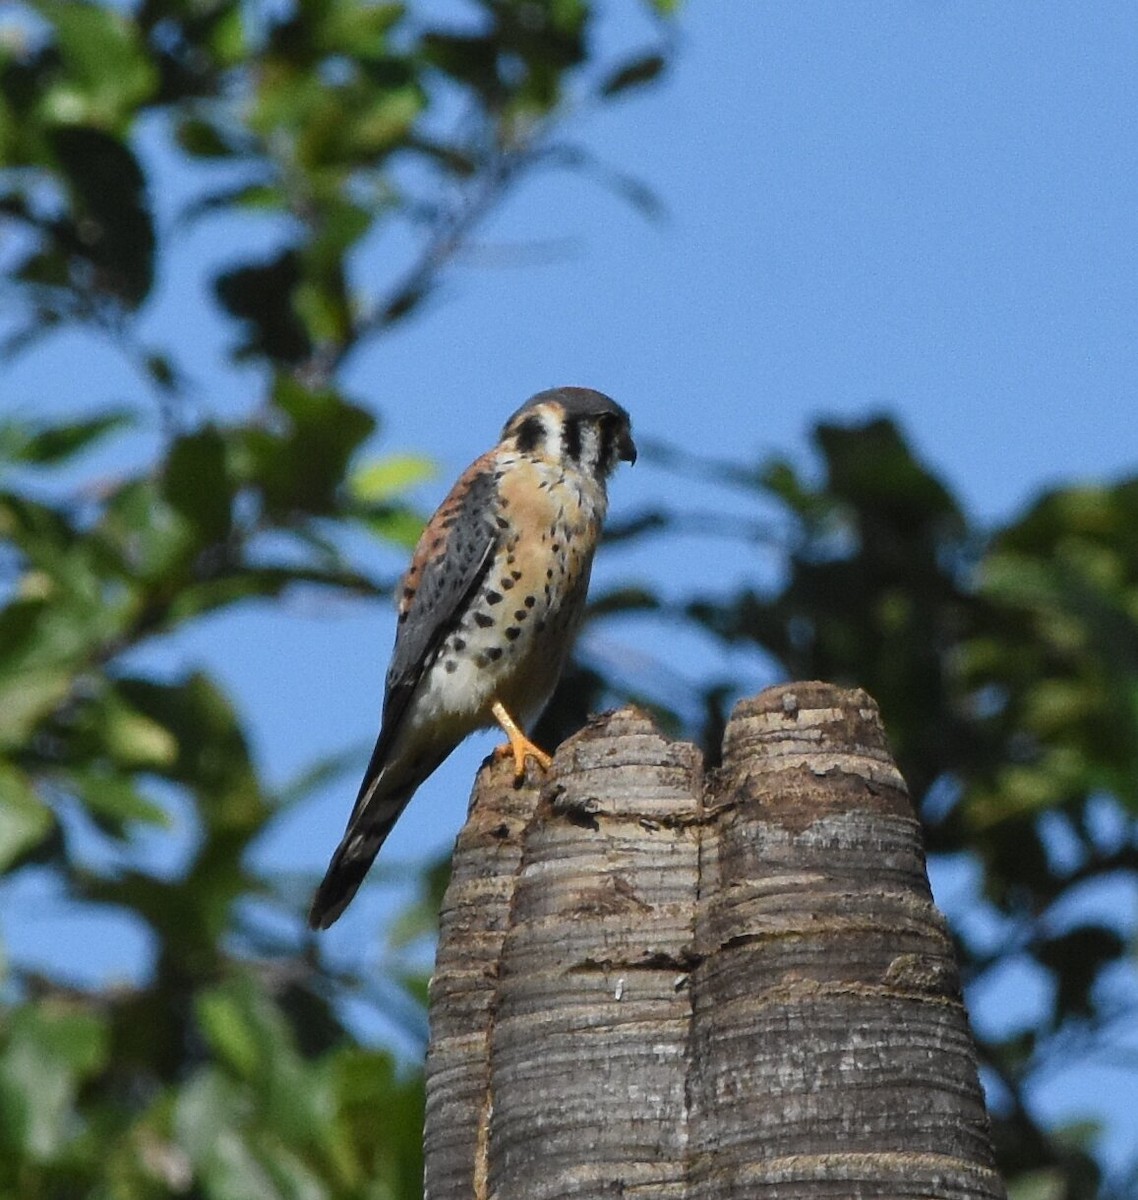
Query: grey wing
[[449, 564]]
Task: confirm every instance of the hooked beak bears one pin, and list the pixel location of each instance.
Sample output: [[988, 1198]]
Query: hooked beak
[[626, 448]]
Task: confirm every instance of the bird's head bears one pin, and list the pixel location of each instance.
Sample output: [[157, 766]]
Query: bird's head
[[576, 425]]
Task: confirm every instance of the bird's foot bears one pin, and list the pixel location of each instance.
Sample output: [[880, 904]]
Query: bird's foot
[[519, 746], [520, 752]]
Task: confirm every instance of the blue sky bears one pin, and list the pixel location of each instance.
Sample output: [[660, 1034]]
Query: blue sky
[[928, 207]]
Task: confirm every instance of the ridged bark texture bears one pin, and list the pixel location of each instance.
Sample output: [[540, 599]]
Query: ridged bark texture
[[651, 984]]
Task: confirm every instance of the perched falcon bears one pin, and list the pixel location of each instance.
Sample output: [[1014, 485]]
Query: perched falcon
[[487, 610]]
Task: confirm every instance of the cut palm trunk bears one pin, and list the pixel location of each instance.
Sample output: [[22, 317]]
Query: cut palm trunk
[[654, 984]]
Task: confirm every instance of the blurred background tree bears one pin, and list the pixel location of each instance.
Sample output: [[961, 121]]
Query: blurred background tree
[[1005, 661]]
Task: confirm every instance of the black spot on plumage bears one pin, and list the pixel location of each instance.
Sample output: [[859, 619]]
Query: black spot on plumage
[[515, 574], [531, 433], [493, 597], [502, 523], [520, 614], [483, 620], [460, 644], [530, 601], [513, 633], [506, 583], [494, 653], [450, 666]]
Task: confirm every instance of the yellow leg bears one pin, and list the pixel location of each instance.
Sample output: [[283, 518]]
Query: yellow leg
[[520, 745]]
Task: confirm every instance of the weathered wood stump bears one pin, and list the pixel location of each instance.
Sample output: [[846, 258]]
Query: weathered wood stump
[[654, 984]]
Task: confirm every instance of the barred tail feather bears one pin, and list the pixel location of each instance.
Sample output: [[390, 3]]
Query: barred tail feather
[[366, 833]]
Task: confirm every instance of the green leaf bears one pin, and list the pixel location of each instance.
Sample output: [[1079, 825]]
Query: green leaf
[[203, 139], [48, 445], [359, 29], [197, 484], [25, 820], [624, 600], [1076, 958], [213, 754], [226, 1022], [226, 34], [399, 526], [636, 72], [27, 696], [262, 296], [366, 1082], [116, 799], [50, 1049], [302, 467], [209, 1117], [135, 741], [389, 477], [1039, 1185], [161, 369], [112, 227], [107, 70], [248, 1034], [153, 541], [872, 466]]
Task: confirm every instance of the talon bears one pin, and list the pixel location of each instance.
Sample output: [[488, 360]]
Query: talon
[[519, 745]]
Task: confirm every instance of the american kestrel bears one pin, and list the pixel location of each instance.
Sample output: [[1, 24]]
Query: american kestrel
[[487, 610]]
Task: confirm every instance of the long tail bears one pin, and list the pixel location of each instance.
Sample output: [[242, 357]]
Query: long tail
[[372, 819]]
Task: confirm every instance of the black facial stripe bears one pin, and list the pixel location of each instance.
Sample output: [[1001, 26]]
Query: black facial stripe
[[607, 444], [571, 438], [531, 433]]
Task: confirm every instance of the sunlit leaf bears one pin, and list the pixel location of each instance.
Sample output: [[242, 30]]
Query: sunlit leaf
[[391, 476], [27, 697], [135, 741], [1038, 1185], [107, 65], [25, 820]]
